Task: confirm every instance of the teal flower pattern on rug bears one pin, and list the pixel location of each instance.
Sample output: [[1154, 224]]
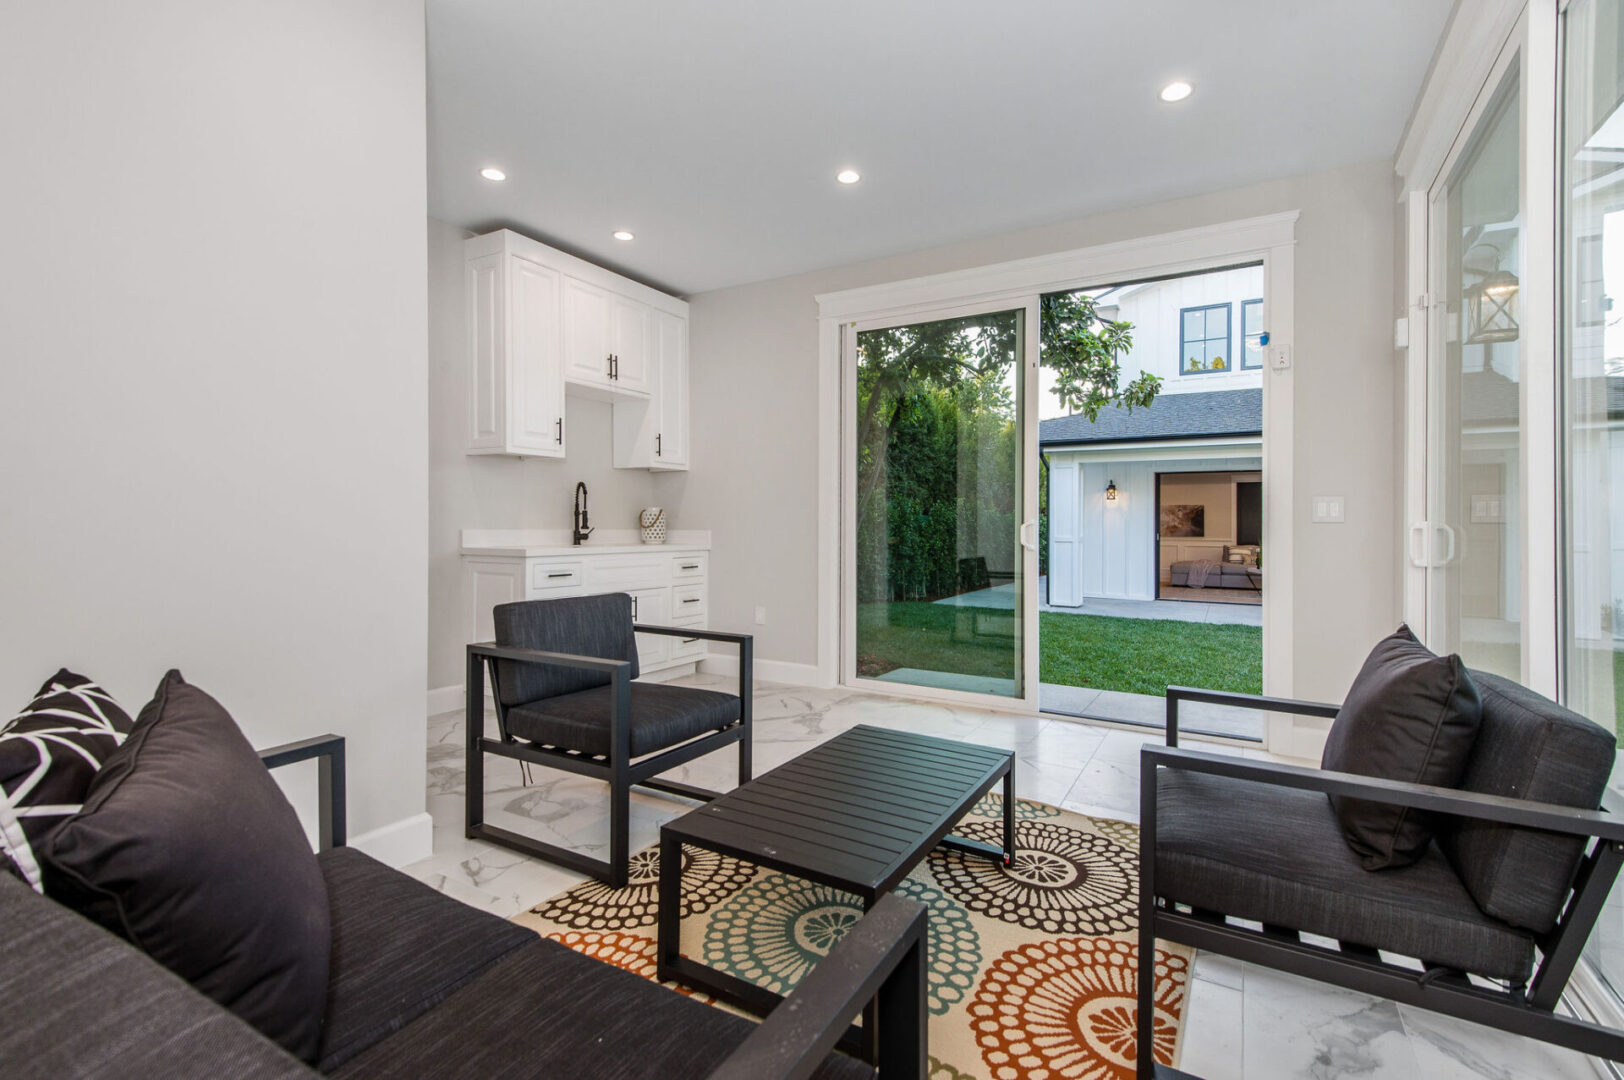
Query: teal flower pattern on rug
[[773, 931]]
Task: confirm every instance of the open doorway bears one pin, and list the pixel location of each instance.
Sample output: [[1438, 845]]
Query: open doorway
[[1151, 518], [1209, 538]]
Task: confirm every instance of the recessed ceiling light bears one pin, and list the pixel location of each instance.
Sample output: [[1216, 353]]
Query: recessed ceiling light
[[493, 174], [623, 234], [1175, 91], [848, 176]]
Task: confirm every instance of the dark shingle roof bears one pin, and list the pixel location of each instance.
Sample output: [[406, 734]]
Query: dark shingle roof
[[1170, 416]]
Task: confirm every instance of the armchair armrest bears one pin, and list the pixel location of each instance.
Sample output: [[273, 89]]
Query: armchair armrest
[[328, 750], [1552, 817], [1176, 694], [689, 631], [885, 954]]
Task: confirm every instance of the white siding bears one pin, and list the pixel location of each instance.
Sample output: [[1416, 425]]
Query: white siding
[[1154, 309]]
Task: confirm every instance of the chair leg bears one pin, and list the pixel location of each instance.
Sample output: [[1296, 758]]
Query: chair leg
[[620, 806], [744, 758]]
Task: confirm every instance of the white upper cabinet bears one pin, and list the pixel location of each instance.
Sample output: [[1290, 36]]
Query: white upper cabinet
[[671, 437], [543, 324], [588, 359], [653, 434], [515, 380], [632, 323]]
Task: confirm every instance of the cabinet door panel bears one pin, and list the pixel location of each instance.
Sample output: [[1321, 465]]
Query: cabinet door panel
[[586, 332], [630, 343], [486, 328], [537, 420], [653, 608], [671, 442]]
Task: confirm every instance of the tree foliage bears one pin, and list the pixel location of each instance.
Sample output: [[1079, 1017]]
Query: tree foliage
[[936, 437]]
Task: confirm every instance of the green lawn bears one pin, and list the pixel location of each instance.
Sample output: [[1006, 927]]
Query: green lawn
[[1142, 656]]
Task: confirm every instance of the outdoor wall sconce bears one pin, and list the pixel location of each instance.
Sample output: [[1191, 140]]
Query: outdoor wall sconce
[[1110, 491], [1491, 306]]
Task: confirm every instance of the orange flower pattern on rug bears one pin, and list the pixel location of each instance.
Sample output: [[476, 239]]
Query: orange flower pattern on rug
[[1032, 968], [1066, 1010]]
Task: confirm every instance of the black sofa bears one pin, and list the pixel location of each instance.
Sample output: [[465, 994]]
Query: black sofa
[[423, 985]]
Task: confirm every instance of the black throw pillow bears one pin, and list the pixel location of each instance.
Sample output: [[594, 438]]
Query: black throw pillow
[[187, 848], [1410, 715], [49, 753]]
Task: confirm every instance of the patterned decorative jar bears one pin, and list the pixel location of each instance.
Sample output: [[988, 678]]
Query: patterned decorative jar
[[652, 523]]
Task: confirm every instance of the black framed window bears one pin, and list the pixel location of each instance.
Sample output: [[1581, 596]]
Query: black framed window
[[1204, 340], [1251, 334]]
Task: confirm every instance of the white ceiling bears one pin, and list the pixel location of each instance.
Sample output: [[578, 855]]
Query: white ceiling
[[713, 128]]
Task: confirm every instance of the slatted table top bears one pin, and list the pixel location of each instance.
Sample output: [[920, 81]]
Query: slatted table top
[[857, 812]]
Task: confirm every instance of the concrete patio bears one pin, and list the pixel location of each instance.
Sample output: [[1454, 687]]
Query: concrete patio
[[1002, 597]]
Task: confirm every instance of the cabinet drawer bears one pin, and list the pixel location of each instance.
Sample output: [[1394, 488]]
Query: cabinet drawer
[[553, 575], [626, 574], [688, 567], [687, 649], [687, 601]]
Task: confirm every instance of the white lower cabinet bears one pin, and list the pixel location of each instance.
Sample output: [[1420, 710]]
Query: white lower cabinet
[[668, 587]]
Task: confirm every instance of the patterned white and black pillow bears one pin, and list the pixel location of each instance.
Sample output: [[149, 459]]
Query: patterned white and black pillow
[[49, 753]]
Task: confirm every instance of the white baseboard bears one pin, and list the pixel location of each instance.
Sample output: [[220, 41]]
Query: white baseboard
[[444, 699], [400, 842], [783, 672]]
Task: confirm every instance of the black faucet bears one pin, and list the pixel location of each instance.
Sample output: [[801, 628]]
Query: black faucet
[[582, 529]]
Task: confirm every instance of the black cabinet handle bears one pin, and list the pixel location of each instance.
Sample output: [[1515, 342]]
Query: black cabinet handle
[[565, 573], [634, 609], [692, 600], [689, 640], [656, 444], [690, 566], [560, 423]]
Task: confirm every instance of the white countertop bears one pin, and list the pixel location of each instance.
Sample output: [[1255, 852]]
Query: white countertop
[[538, 543]]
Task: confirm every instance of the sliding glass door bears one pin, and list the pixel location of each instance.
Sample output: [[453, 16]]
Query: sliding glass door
[[1474, 533], [1592, 363], [937, 574]]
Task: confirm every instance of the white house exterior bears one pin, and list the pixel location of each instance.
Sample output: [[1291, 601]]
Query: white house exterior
[[1200, 335]]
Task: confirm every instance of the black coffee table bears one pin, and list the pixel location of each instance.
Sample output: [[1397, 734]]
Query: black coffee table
[[856, 813]]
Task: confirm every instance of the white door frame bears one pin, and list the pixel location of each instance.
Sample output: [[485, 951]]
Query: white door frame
[[1270, 239], [1526, 36]]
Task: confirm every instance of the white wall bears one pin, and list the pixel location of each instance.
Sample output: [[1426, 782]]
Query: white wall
[[1154, 309], [212, 417], [493, 492], [755, 355]]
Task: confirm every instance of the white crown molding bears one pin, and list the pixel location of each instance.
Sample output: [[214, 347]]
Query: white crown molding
[[1466, 54], [1143, 257]]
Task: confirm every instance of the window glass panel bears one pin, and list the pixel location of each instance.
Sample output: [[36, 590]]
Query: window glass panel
[[1195, 325], [1252, 331]]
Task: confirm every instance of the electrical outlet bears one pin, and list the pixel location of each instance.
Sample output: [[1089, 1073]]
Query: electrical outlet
[[1328, 509], [761, 615]]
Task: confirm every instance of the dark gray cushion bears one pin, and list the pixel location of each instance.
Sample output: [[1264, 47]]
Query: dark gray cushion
[[661, 716], [187, 848], [79, 1002], [1410, 715], [399, 948], [598, 626], [1276, 855], [1528, 747], [550, 1012]]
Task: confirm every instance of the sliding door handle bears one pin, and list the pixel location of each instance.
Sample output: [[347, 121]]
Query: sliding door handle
[[1418, 551], [1029, 535]]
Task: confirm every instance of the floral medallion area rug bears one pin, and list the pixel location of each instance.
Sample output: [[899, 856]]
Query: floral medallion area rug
[[1032, 969]]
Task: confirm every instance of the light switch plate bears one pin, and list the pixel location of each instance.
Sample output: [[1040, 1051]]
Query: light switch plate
[[1328, 509], [1280, 357]]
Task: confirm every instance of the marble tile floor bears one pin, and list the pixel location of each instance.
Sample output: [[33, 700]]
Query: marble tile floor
[[1243, 1020]]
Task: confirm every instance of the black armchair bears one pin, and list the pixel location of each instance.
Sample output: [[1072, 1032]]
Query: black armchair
[[1243, 858], [562, 673]]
